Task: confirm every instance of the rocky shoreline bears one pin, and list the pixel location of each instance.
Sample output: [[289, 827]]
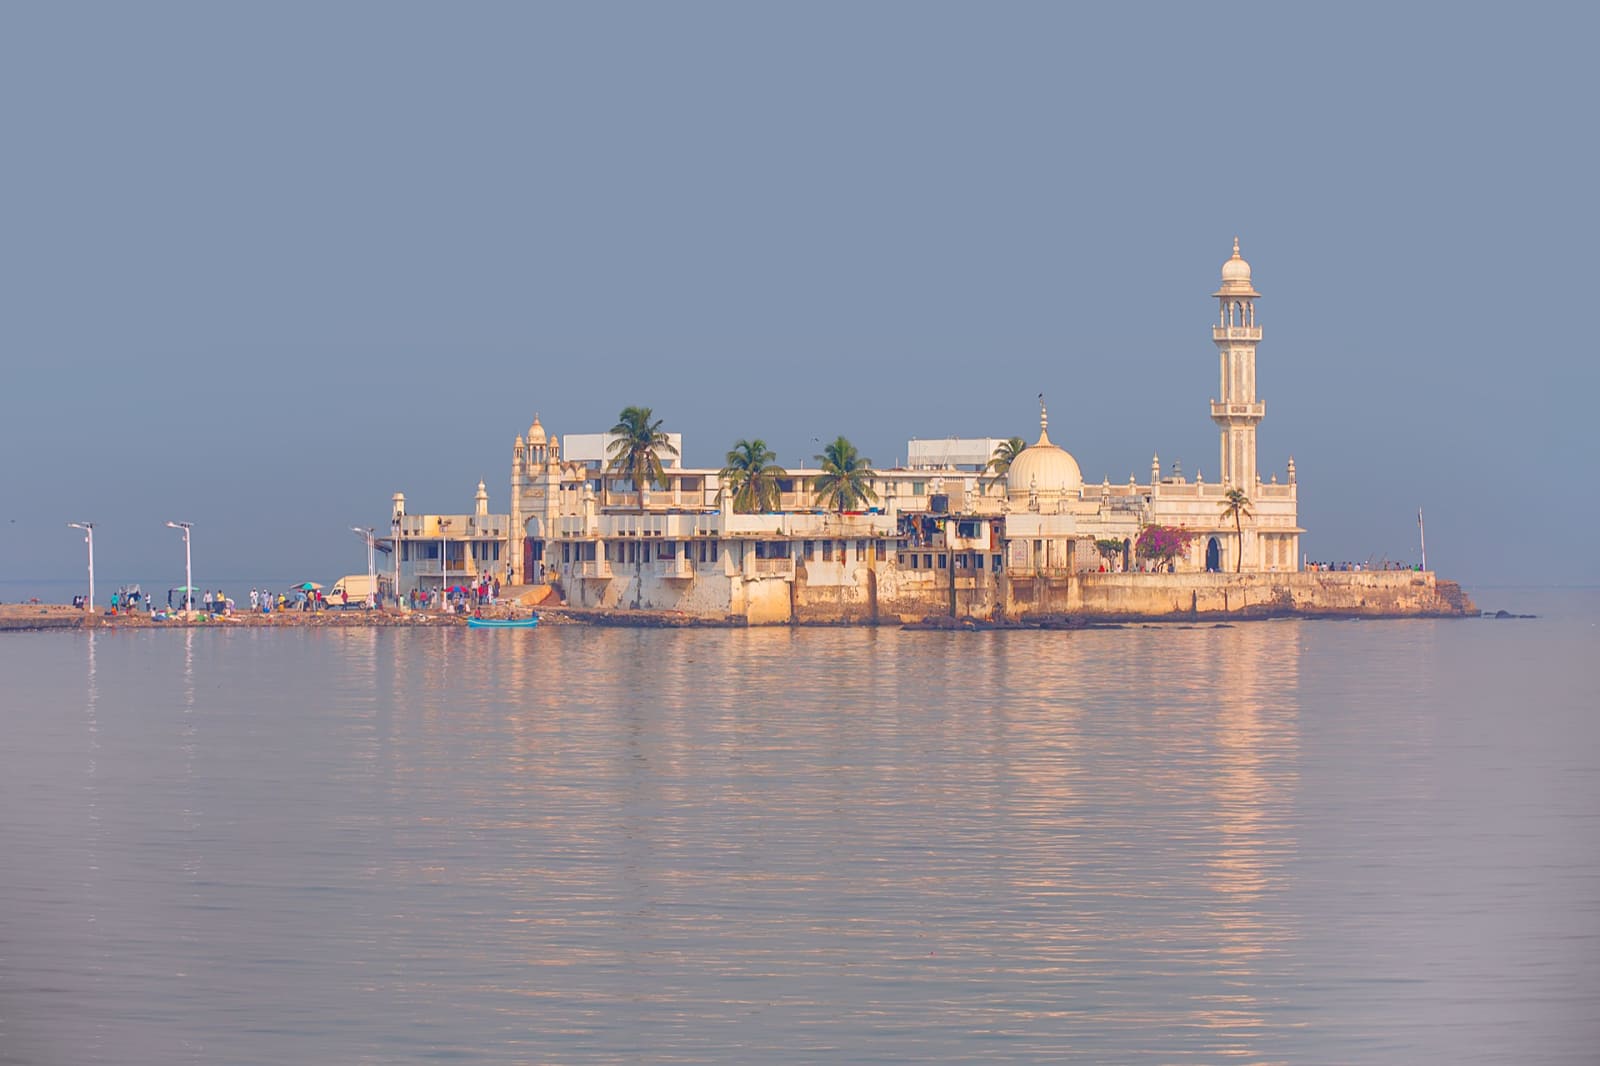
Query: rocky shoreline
[[37, 617], [20, 618]]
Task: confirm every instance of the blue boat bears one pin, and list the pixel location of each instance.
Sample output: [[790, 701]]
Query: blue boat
[[503, 623]]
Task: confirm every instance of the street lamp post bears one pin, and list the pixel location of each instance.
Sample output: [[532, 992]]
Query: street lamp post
[[372, 571], [1421, 537], [444, 560], [88, 536], [188, 570], [394, 543]]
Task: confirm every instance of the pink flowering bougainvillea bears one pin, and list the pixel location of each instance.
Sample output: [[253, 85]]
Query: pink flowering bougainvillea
[[1162, 544]]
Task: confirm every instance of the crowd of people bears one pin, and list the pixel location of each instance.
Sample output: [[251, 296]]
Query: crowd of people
[[459, 599], [1339, 567]]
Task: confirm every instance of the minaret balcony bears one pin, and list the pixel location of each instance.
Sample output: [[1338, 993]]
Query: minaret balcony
[[1236, 333], [1227, 411]]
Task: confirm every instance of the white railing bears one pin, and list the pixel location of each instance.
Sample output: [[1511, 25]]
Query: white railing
[[841, 527], [655, 526], [433, 525], [674, 569], [453, 527], [595, 568], [734, 524], [783, 568], [575, 527], [462, 568]]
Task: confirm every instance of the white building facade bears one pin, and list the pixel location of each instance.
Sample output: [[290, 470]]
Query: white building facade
[[943, 533], [443, 551]]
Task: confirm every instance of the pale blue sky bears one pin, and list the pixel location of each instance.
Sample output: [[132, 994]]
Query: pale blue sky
[[265, 265]]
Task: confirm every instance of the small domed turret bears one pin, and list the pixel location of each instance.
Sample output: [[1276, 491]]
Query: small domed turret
[[1236, 276]]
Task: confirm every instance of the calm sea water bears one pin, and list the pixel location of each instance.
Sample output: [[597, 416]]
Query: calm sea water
[[1340, 842]]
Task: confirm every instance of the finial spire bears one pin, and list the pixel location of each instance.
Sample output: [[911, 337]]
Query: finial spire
[[1236, 247]]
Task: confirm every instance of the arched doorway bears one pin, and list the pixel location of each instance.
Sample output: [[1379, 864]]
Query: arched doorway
[[533, 552], [1213, 556]]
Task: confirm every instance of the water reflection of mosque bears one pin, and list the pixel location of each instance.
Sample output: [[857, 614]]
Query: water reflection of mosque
[[1187, 801], [1257, 736], [1173, 751]]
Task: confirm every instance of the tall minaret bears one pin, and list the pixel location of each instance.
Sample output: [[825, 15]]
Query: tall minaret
[[1236, 410]]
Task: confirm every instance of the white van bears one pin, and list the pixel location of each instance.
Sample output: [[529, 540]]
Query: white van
[[351, 591]]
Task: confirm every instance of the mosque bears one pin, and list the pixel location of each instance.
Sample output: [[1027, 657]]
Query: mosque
[[945, 536]]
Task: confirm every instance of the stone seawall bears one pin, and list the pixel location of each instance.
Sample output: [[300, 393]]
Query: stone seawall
[[1377, 593], [1009, 600], [1350, 594]]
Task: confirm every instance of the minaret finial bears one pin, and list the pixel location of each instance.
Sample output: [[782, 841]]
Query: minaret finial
[[1044, 415], [1236, 247]]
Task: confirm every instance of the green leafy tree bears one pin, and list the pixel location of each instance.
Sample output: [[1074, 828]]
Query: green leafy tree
[[1109, 550], [845, 481], [635, 453], [1005, 453], [750, 478], [1236, 504], [1162, 544]]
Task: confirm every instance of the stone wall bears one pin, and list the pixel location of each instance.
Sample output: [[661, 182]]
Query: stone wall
[[1348, 593], [890, 596], [862, 594]]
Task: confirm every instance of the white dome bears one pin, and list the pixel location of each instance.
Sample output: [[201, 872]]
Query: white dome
[[536, 432], [1043, 468], [1236, 276]]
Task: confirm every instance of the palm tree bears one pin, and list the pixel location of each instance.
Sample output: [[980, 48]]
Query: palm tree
[[635, 454], [1005, 453], [751, 477], [1237, 504], [845, 481]]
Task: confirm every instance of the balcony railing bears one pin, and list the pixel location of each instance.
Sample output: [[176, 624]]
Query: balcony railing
[[453, 527], [1242, 410], [1236, 333], [677, 569], [599, 569], [575, 527], [754, 567], [459, 569], [651, 526]]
